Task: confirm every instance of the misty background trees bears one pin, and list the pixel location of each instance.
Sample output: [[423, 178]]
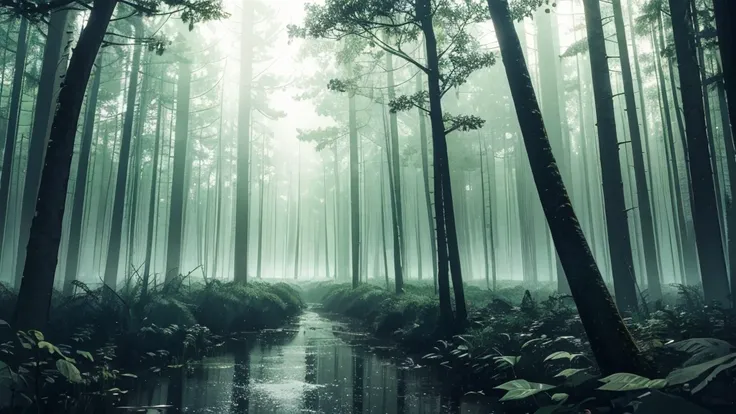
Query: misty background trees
[[366, 141]]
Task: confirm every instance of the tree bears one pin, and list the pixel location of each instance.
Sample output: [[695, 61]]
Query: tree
[[449, 64], [725, 12], [624, 281], [612, 344], [705, 207], [651, 256], [34, 298]]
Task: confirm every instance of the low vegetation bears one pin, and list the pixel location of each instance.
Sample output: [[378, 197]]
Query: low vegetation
[[100, 341], [530, 350]]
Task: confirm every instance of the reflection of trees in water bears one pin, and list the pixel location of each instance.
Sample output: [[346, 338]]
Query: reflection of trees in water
[[358, 374], [400, 391], [240, 398], [175, 394], [311, 394]]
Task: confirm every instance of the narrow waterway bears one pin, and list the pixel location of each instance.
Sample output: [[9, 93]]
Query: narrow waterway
[[316, 366]]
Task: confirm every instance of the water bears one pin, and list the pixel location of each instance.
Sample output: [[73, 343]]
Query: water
[[316, 366]]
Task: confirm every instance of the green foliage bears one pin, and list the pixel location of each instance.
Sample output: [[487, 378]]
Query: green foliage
[[629, 382], [520, 389]]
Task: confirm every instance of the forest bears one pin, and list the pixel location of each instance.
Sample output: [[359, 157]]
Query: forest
[[368, 206]]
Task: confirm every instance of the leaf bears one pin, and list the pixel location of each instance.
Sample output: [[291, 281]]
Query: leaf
[[46, 345], [713, 375], [561, 355], [37, 334], [567, 373], [129, 375], [560, 397], [624, 381], [702, 349], [86, 355], [5, 371], [531, 342], [4, 323], [68, 370], [520, 389], [685, 375], [656, 402], [506, 359]]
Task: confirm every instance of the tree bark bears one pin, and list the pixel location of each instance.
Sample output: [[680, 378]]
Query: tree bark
[[152, 203], [80, 187], [178, 173], [612, 344], [705, 209], [651, 256], [725, 12], [396, 172], [444, 209], [34, 298], [112, 263], [425, 178], [354, 190], [11, 131], [242, 213], [619, 243]]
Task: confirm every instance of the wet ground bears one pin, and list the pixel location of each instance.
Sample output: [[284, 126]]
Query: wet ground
[[316, 366]]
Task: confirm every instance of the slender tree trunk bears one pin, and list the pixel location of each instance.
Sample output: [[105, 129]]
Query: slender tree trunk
[[705, 208], [178, 173], [116, 229], [398, 275], [491, 167], [324, 206], [651, 256], [354, 191], [34, 298], [260, 206], [613, 192], [383, 227], [484, 233], [425, 178], [75, 227], [298, 240], [152, 204], [11, 132], [612, 345], [444, 209], [242, 213]]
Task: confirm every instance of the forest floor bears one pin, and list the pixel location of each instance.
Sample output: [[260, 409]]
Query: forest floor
[[528, 347]]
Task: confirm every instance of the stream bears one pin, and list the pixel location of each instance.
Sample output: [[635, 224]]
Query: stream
[[317, 365]]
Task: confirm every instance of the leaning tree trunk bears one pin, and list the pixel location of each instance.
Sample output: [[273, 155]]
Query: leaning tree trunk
[[651, 256], [112, 264], [619, 243], [34, 297], [80, 186], [11, 131], [705, 208], [177, 199], [612, 344]]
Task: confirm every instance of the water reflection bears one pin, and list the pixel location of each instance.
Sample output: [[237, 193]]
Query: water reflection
[[309, 369]]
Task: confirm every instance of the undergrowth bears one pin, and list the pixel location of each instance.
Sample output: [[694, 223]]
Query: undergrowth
[[529, 348], [97, 338]]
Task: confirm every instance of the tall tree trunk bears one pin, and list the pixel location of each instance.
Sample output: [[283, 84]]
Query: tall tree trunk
[[396, 171], [52, 69], [118, 206], [619, 243], [484, 233], [260, 207], [491, 167], [444, 209], [298, 240], [242, 212], [11, 132], [178, 173], [152, 203], [80, 187], [383, 226], [425, 178], [354, 191], [392, 197], [651, 256], [324, 206], [612, 345], [725, 13], [34, 298], [705, 208]]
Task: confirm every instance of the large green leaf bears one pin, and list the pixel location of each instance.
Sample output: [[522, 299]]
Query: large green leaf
[[685, 375], [69, 371], [569, 372], [624, 381], [507, 359], [702, 349], [561, 355], [520, 389], [46, 345]]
